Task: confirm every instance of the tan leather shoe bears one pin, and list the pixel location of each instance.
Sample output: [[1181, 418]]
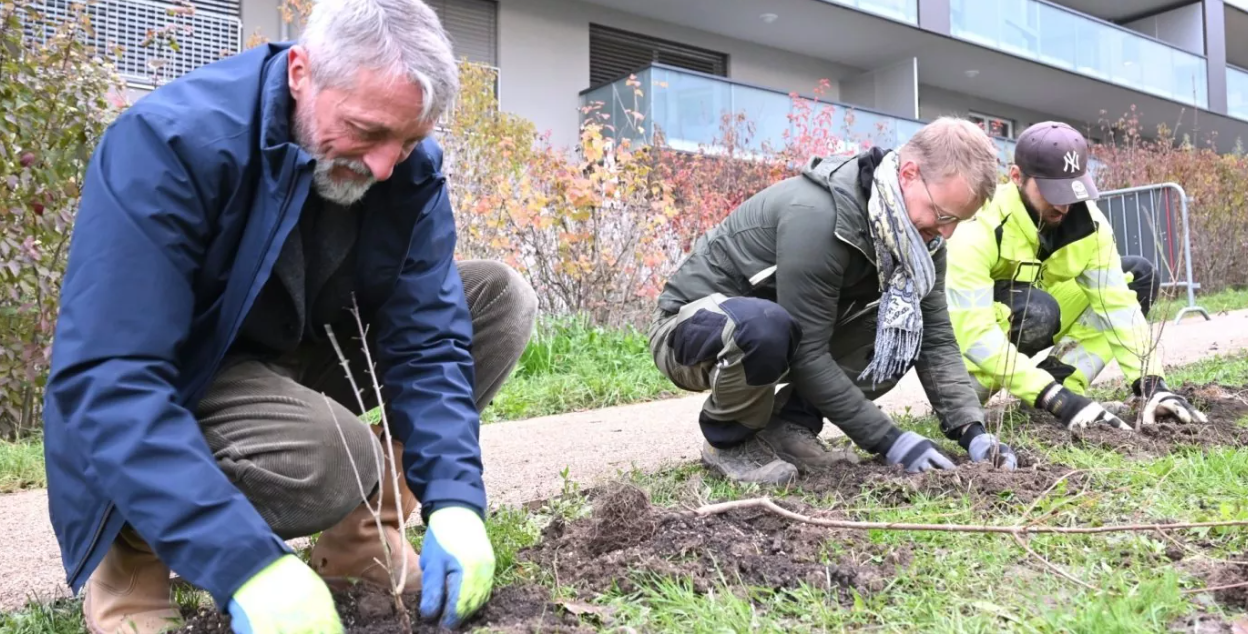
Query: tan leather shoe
[[130, 591], [351, 549]]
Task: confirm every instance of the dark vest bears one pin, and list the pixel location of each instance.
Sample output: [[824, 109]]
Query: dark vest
[[311, 286]]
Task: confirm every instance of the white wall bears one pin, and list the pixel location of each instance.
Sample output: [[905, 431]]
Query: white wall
[[1183, 27], [936, 102], [891, 89], [262, 16], [543, 53]]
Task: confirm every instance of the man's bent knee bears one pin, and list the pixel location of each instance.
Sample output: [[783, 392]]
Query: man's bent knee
[[763, 332], [503, 307], [1035, 323], [312, 490], [495, 287], [1144, 280], [301, 460]]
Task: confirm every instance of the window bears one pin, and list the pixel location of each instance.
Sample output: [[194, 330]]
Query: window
[[472, 26], [212, 32], [614, 54], [995, 126]]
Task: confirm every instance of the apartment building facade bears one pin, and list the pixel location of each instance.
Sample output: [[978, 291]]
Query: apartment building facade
[[893, 64]]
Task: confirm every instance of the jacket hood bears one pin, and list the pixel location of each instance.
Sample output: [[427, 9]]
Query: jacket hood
[[822, 169]]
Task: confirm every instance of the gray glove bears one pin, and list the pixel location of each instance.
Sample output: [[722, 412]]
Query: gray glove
[[916, 454], [982, 447]]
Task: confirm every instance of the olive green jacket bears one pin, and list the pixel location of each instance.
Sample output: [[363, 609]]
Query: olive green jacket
[[805, 244]]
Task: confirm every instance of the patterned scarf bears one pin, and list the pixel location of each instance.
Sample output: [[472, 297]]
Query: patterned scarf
[[907, 273]]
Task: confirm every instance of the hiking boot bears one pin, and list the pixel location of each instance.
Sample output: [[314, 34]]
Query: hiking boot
[[750, 461], [799, 446], [130, 591], [351, 550]]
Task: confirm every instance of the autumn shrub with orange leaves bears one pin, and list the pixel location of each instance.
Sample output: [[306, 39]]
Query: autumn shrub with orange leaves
[[590, 227], [1216, 184]]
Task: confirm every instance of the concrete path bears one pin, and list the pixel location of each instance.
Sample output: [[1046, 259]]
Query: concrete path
[[523, 459]]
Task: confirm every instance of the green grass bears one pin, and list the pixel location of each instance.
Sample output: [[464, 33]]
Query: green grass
[[21, 466], [572, 365], [1176, 300]]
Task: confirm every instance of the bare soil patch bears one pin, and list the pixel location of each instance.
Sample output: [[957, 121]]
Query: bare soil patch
[[987, 487], [627, 535]]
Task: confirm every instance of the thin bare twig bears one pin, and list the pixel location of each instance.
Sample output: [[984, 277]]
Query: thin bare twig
[[1050, 565], [768, 505], [1242, 584], [397, 576]]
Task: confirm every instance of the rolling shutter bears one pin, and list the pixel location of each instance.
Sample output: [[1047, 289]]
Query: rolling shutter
[[472, 26], [614, 54]]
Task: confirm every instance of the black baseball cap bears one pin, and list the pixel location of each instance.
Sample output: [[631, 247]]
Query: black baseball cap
[[1056, 155]]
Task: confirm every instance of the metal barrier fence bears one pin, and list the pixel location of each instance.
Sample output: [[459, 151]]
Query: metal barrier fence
[[1145, 224]]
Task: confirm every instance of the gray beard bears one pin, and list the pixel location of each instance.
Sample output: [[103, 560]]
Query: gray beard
[[344, 193]]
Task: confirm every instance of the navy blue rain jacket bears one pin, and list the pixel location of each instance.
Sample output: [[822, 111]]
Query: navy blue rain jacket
[[186, 202]]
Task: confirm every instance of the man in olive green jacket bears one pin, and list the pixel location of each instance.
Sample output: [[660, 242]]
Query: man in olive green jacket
[[792, 288]]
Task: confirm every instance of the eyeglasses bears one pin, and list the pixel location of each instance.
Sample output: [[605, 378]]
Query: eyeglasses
[[942, 218]]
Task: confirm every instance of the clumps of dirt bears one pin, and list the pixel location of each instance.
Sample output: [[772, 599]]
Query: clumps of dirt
[[741, 547], [366, 610], [986, 486], [1234, 575], [1224, 406], [623, 518]]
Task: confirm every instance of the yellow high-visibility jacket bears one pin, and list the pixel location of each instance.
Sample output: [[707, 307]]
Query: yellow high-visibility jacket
[[1078, 263]]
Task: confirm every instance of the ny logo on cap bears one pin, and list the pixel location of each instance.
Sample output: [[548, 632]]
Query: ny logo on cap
[[1072, 162]]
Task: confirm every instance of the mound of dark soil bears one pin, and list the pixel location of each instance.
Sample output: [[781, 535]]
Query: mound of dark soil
[[986, 486], [510, 609], [1224, 406], [626, 534]]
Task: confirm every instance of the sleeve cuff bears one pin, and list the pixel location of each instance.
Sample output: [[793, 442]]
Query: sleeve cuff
[[887, 441], [444, 493]]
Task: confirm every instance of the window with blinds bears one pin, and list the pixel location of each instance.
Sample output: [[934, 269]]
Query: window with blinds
[[472, 26], [212, 32], [614, 54]]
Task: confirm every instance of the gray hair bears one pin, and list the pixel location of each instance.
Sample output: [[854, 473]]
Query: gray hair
[[402, 37]]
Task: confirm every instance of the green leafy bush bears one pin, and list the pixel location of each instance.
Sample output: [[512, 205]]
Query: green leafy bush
[[56, 98]]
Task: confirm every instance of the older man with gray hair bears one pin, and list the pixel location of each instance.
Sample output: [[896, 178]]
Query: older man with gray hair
[[197, 415]]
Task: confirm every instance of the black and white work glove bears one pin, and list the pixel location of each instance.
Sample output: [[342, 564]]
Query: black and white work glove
[[983, 446], [916, 454], [1160, 401], [1075, 410]]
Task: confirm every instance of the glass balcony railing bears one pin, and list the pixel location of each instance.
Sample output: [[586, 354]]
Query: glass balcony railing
[[1237, 92], [689, 109], [1066, 39], [901, 10]]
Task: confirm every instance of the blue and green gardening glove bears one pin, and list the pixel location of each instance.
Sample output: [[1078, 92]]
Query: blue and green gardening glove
[[286, 597], [456, 565]]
